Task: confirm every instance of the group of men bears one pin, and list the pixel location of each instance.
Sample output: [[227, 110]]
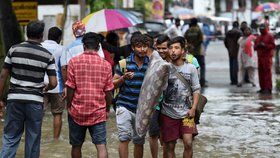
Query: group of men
[[43, 73], [264, 44]]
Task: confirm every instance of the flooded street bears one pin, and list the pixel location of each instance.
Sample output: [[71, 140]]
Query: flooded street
[[237, 122]]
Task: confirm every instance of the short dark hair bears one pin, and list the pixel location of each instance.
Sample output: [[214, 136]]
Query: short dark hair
[[54, 33], [262, 26], [177, 20], [35, 29], [162, 38], [178, 39], [244, 23], [91, 41], [148, 39], [193, 22], [136, 33], [139, 39], [112, 38], [235, 24]]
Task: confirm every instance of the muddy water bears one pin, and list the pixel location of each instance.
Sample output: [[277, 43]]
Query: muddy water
[[237, 122], [234, 125]]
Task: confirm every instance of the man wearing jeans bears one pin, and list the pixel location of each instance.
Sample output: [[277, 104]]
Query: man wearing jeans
[[27, 64], [89, 85]]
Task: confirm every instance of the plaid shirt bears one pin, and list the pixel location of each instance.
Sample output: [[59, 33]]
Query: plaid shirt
[[90, 76]]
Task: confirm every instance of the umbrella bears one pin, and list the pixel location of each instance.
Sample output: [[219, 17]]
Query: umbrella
[[267, 7], [109, 19]]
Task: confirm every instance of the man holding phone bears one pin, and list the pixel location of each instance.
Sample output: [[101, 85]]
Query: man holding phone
[[130, 83]]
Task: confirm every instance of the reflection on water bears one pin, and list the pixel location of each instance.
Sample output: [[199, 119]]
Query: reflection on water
[[233, 125]]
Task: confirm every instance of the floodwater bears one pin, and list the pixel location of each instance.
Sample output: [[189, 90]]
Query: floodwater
[[237, 122]]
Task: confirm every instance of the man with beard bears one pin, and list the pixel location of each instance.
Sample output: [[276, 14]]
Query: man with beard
[[130, 83]]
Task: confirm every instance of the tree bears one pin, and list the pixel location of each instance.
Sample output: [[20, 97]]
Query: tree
[[10, 32], [96, 5], [9, 27]]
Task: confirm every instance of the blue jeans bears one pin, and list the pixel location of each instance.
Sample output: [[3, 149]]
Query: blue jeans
[[20, 116], [77, 132]]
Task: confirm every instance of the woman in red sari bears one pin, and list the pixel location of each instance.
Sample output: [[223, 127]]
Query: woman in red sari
[[265, 47]]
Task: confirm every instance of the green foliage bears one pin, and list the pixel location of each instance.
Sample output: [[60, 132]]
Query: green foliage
[[140, 4], [278, 84], [271, 0], [96, 5]]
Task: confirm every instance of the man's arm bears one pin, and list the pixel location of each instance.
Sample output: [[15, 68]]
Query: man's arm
[[70, 84], [70, 95], [196, 90], [52, 83], [108, 98], [64, 74], [3, 77], [118, 80], [51, 72], [271, 44]]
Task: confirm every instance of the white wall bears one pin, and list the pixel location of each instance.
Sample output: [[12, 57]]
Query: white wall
[[200, 7], [49, 14]]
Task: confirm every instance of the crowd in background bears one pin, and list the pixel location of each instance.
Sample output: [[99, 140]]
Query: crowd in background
[[90, 69]]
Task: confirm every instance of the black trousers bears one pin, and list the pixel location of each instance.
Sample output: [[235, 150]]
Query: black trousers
[[201, 61], [233, 70]]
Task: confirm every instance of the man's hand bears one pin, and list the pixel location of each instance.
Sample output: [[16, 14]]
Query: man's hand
[[261, 45], [128, 75], [2, 108], [191, 113], [64, 93], [46, 88]]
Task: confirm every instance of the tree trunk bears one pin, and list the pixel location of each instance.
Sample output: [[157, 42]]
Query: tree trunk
[[10, 33], [82, 4], [9, 26]]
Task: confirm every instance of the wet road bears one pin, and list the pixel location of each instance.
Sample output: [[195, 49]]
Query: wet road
[[237, 122]]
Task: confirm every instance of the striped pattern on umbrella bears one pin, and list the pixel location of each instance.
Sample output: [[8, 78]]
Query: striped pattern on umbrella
[[109, 19], [268, 7]]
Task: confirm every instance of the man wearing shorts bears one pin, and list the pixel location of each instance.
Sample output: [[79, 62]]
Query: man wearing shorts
[[130, 84], [54, 97], [154, 129], [89, 85], [178, 109]]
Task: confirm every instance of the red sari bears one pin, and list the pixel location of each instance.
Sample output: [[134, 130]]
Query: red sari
[[265, 54]]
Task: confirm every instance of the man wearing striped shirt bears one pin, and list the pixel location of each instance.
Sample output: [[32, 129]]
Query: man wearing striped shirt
[[130, 84], [27, 64]]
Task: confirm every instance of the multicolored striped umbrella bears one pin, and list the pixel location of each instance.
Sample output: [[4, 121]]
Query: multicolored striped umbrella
[[110, 19], [265, 7]]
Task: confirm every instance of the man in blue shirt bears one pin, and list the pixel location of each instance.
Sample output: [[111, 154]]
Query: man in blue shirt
[[130, 83]]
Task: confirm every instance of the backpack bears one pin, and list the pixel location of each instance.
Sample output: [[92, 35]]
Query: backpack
[[122, 64]]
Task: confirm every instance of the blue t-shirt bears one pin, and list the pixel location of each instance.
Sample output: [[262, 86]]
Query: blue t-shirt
[[130, 90]]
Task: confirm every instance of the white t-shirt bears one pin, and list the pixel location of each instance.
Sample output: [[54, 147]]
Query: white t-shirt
[[75, 49], [56, 50]]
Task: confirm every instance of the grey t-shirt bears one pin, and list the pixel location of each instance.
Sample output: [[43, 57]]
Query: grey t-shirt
[[174, 104]]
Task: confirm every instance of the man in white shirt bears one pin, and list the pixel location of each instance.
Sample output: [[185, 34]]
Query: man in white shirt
[[54, 97], [75, 48], [174, 30]]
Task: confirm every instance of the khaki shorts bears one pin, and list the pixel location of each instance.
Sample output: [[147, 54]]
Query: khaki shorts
[[126, 126], [57, 104]]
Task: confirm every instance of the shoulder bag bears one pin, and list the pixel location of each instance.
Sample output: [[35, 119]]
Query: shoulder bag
[[201, 101]]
